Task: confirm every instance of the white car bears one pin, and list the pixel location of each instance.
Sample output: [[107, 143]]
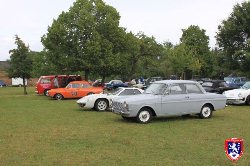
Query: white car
[[101, 102], [239, 96]]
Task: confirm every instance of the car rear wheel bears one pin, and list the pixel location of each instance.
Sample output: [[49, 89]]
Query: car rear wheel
[[101, 105], [144, 116], [58, 96], [206, 112], [247, 100]]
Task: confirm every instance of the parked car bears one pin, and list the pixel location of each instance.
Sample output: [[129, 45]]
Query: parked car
[[168, 98], [2, 83], [45, 83], [75, 89], [216, 86], [239, 96], [235, 82], [101, 102], [113, 84]]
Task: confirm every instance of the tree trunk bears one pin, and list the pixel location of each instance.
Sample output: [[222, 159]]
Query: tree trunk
[[86, 76], [24, 87], [103, 79]]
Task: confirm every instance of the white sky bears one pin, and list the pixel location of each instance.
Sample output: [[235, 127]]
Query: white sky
[[163, 19]]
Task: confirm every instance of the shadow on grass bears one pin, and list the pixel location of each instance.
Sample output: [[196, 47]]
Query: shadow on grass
[[169, 119]]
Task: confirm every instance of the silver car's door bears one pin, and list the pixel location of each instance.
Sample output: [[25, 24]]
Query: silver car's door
[[196, 97], [175, 101]]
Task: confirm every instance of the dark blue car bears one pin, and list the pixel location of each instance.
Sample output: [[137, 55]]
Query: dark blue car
[[235, 82], [113, 84], [2, 83]]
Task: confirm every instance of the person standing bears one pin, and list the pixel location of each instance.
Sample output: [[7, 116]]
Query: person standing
[[56, 83]]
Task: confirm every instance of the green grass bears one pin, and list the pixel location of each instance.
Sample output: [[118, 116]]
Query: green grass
[[35, 130]]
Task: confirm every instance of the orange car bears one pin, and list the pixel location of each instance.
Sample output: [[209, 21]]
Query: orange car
[[75, 89]]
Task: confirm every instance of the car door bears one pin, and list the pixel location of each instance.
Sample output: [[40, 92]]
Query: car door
[[74, 90], [196, 97], [83, 90], [175, 101]]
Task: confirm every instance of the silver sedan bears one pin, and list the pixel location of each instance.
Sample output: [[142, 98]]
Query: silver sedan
[[168, 98]]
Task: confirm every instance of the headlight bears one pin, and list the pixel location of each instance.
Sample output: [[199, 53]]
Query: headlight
[[240, 95], [125, 105]]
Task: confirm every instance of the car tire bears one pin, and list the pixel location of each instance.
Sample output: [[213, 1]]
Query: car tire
[[46, 92], [247, 102], [206, 112], [144, 116], [101, 105], [59, 96]]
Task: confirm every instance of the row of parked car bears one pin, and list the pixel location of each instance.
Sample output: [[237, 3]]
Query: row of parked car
[[161, 98]]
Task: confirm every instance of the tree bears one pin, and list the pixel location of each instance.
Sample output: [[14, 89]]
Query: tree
[[86, 38], [182, 59], [41, 65], [197, 41], [149, 56], [20, 62], [233, 38]]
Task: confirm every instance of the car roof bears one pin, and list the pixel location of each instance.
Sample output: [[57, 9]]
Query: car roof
[[175, 81]]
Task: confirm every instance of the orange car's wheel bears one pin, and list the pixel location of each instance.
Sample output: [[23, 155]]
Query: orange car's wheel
[[59, 96]]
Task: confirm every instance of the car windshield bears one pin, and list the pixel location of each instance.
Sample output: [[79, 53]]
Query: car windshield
[[246, 85], [156, 89]]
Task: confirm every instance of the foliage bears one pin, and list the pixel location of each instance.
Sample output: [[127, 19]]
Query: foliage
[[20, 62], [233, 38], [182, 59], [86, 38], [42, 66], [196, 41]]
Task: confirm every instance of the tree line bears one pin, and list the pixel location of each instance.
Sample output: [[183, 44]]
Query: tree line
[[88, 40]]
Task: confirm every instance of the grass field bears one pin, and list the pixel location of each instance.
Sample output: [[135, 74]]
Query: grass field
[[36, 130]]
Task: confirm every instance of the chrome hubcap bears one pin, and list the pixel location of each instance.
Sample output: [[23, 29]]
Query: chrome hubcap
[[102, 105], [144, 116], [206, 111]]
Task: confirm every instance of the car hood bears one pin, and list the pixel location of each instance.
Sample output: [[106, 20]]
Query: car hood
[[145, 98], [93, 96], [236, 92]]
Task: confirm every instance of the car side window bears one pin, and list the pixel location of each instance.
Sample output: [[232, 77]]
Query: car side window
[[136, 92], [75, 85], [45, 81], [193, 88], [127, 92], [85, 86], [176, 89]]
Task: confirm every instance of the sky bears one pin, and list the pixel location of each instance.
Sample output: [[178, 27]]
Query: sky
[[163, 19]]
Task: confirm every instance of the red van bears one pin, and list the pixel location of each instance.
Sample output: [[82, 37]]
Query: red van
[[45, 83]]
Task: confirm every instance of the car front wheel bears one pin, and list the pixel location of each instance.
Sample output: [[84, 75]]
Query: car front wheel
[[58, 96], [101, 105], [247, 100], [206, 112], [144, 116]]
